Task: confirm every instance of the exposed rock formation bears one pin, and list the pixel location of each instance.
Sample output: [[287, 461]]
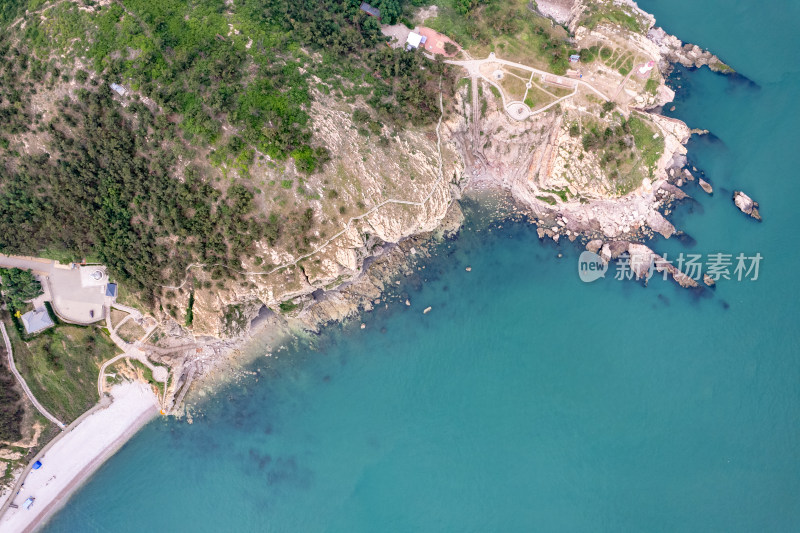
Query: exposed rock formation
[[746, 204], [642, 260], [706, 186], [541, 161], [562, 11], [673, 50]]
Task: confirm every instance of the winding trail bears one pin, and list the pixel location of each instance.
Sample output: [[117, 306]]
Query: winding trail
[[28, 393], [473, 68], [132, 350], [350, 222]]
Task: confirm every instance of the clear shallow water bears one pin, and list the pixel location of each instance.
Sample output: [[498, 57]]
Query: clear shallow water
[[527, 400]]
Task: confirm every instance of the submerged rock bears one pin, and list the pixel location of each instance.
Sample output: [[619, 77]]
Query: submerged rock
[[746, 204]]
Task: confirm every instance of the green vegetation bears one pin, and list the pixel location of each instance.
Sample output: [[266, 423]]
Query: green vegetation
[[626, 67], [628, 150], [597, 13], [102, 176], [147, 374], [12, 407], [651, 86], [547, 199], [649, 143], [537, 98], [590, 54], [288, 306], [508, 27], [105, 180], [18, 287], [143, 370], [61, 366], [130, 331], [234, 321], [190, 311], [561, 193]]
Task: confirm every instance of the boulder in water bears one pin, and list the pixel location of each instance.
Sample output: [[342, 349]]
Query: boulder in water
[[746, 204]]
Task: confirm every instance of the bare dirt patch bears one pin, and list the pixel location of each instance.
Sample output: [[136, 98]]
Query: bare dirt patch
[[130, 331], [117, 316], [426, 13]]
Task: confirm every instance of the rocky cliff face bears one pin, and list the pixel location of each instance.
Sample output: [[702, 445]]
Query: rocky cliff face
[[673, 50], [408, 185], [390, 191]]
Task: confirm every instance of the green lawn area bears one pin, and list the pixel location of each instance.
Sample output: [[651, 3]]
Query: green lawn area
[[61, 366], [537, 98], [513, 87], [509, 28], [650, 147]]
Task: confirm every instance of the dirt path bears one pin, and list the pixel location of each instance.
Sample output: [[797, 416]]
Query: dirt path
[[350, 222], [473, 66]]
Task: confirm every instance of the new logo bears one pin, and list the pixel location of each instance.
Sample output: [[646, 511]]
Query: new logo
[[591, 267]]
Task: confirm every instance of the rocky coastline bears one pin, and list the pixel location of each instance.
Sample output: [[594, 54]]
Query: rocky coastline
[[378, 251]]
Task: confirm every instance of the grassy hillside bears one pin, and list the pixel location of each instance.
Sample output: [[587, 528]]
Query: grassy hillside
[[511, 28], [61, 366], [213, 88]]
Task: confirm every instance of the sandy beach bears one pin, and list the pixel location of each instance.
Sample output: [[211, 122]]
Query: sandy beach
[[77, 453]]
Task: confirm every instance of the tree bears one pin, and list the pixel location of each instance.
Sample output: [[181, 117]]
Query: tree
[[19, 286], [390, 10]]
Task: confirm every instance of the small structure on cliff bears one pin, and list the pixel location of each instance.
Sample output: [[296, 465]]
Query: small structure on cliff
[[369, 10]]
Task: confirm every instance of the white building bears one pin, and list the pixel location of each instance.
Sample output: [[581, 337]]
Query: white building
[[414, 40], [119, 89]]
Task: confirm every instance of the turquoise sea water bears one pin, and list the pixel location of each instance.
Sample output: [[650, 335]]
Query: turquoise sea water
[[527, 400]]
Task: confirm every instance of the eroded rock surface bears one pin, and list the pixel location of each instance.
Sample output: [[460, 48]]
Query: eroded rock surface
[[746, 204]]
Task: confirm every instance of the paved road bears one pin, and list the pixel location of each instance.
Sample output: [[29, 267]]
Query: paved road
[[24, 385], [624, 81], [473, 67], [72, 301]]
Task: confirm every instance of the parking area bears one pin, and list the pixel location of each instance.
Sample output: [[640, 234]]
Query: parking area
[[76, 292]]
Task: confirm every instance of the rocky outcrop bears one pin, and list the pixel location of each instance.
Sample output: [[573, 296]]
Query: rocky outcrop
[[561, 11], [594, 245], [746, 204], [385, 191], [706, 186], [673, 50], [541, 161], [642, 260]]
